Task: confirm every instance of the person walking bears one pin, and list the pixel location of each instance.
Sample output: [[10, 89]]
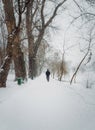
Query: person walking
[[48, 75]]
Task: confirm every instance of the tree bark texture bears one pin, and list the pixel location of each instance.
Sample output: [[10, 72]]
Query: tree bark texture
[[13, 36], [10, 23], [31, 57], [6, 64], [18, 57]]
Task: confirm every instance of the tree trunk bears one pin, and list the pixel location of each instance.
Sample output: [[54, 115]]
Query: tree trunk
[[10, 23], [18, 57], [1, 55], [13, 44], [32, 67], [6, 64], [31, 58]]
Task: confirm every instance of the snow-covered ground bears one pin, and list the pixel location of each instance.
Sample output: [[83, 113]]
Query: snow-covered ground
[[42, 105]]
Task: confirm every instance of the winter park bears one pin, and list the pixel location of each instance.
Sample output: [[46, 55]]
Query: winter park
[[47, 65]]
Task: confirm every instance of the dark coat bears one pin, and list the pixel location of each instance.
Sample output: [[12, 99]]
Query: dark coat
[[47, 73]]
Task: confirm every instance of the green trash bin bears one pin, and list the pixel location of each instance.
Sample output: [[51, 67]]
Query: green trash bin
[[19, 80]]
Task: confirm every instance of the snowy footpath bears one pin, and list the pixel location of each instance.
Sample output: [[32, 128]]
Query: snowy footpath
[[42, 105]]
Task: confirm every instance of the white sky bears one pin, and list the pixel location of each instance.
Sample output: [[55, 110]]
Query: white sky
[[69, 37], [71, 34]]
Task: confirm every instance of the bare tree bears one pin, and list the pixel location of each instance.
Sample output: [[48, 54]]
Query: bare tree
[[88, 18], [37, 22], [13, 35], [86, 51]]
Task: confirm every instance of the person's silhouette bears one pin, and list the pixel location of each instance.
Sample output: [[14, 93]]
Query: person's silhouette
[[48, 75]]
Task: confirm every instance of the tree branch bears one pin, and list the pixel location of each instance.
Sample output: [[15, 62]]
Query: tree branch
[[54, 13], [42, 13]]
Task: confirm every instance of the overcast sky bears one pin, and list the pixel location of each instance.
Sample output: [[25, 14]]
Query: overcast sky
[[69, 34], [66, 35]]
